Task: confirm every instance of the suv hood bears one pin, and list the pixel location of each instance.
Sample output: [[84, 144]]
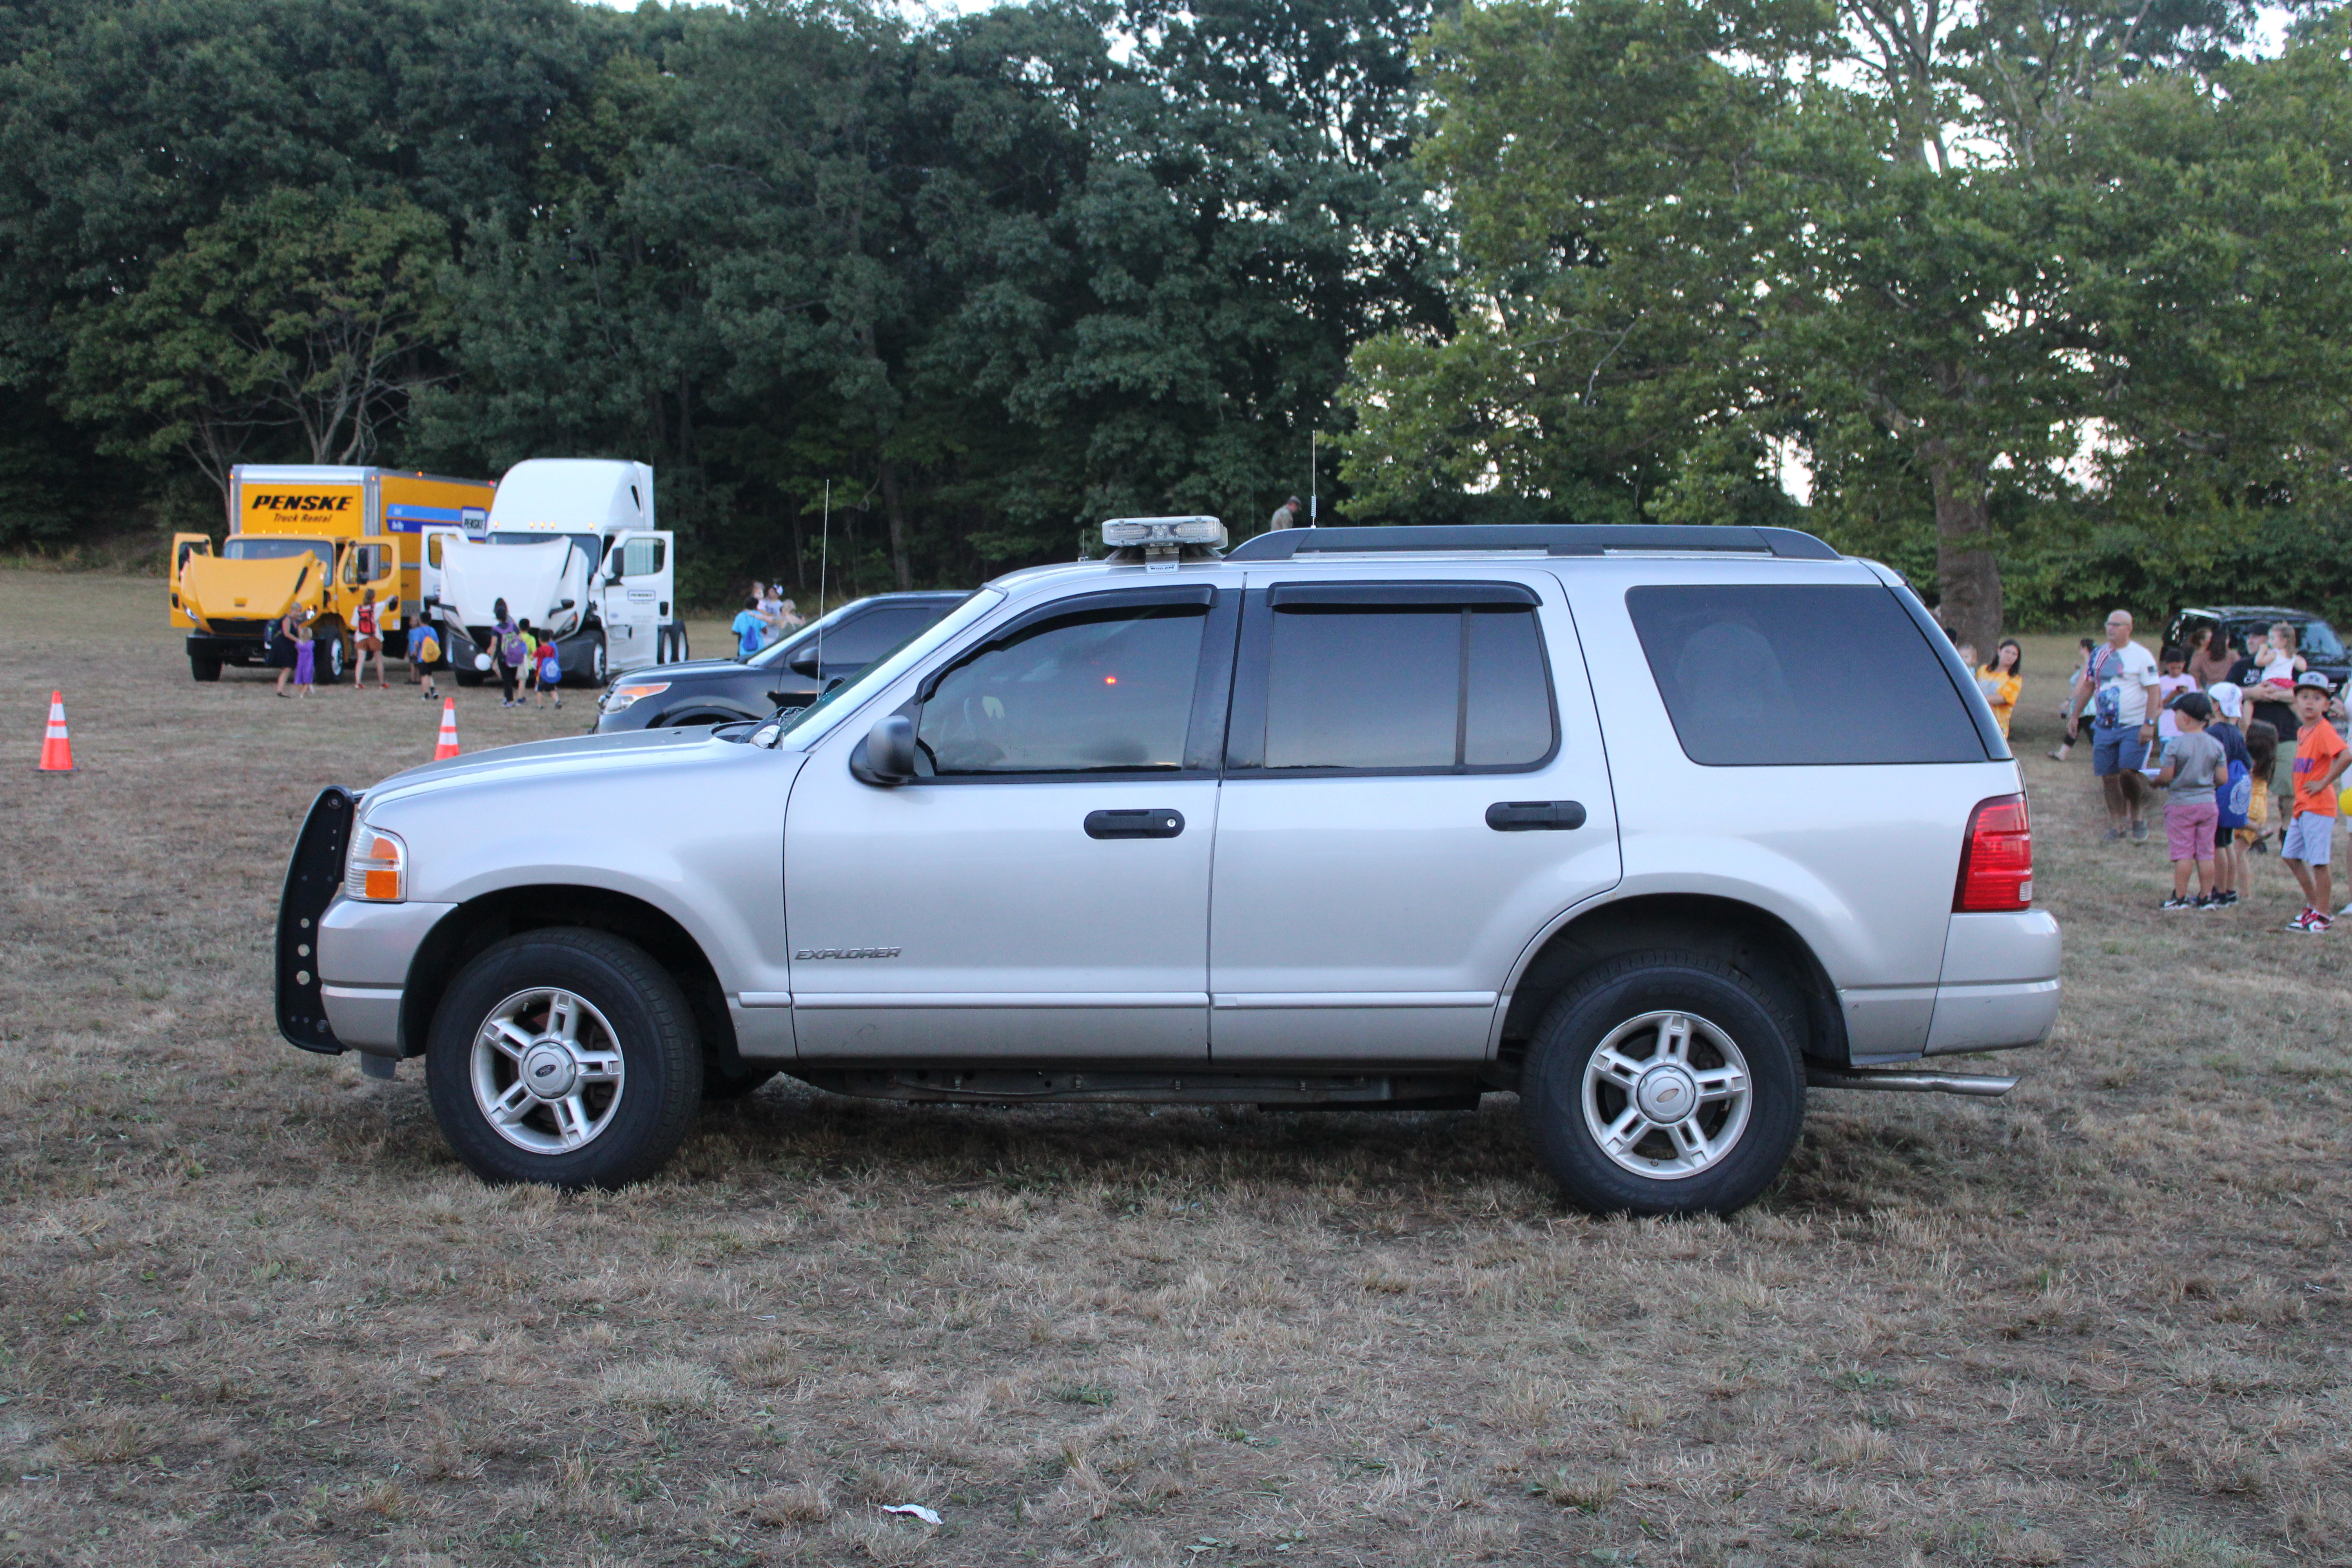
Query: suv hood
[[686, 667], [521, 765]]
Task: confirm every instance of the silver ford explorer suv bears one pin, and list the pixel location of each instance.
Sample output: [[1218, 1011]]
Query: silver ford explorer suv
[[1654, 826]]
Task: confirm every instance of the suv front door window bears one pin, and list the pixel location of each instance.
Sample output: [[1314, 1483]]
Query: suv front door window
[[1044, 889]]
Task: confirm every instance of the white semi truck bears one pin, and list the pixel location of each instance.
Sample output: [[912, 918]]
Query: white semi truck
[[572, 548]]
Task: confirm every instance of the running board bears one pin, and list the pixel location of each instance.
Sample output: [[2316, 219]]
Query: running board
[[1977, 1086], [1017, 1086]]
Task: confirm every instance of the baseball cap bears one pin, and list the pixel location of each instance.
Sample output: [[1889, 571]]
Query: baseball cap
[[2312, 679], [2225, 698]]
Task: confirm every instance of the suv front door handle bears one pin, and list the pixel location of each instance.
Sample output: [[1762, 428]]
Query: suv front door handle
[[1534, 815], [1139, 823]]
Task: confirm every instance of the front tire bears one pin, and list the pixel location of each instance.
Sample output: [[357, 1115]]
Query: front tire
[[1664, 1083], [204, 668], [564, 1056], [598, 662]]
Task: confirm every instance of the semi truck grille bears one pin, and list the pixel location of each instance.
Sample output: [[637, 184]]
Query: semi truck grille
[[222, 628]]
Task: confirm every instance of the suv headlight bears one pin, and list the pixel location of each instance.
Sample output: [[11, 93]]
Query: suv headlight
[[628, 691], [376, 869]]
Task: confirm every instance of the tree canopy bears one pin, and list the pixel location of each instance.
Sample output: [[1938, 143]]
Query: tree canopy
[[2030, 298], [1991, 272]]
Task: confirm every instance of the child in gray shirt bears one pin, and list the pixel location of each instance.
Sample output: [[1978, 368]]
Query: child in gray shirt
[[2193, 762]]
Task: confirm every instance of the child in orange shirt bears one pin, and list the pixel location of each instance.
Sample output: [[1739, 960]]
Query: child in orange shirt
[[2309, 847]]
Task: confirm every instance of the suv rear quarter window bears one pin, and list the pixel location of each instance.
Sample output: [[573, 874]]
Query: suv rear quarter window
[[1785, 675]]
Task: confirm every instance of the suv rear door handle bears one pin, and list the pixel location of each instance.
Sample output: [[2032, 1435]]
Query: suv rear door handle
[[1534, 815], [1140, 823]]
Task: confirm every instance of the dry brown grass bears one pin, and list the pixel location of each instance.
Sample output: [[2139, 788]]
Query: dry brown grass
[[251, 1311]]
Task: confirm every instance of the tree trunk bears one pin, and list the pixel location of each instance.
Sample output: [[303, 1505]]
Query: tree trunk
[[1966, 574], [896, 517]]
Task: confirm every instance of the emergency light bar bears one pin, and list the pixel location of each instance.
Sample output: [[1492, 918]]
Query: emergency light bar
[[1163, 532]]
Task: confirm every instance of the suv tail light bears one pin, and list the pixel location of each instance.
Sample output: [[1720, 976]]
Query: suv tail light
[[1997, 859]]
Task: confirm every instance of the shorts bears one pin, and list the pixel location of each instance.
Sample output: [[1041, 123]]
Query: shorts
[[370, 645], [2223, 837], [2189, 827], [2117, 749], [2310, 839]]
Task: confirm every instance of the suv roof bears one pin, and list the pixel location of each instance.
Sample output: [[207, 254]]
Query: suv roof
[[2277, 612], [1552, 539]]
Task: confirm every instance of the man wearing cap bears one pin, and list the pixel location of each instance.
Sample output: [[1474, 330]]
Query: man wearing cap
[[2118, 686], [1287, 514], [2309, 847]]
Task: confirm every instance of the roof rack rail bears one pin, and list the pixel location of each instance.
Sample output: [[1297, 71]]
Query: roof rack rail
[[1551, 538]]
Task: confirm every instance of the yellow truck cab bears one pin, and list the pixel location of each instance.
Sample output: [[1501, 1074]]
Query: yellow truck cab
[[316, 538]]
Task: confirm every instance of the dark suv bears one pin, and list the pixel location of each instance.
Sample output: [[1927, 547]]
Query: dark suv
[[2314, 639], [784, 674]]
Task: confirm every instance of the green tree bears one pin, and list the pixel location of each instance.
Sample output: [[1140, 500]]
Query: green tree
[[289, 321], [1689, 234]]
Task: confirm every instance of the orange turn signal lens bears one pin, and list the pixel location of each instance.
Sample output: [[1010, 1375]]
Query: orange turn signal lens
[[377, 870]]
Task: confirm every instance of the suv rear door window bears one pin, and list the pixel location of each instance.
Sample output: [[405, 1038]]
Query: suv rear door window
[[1405, 677], [1788, 676]]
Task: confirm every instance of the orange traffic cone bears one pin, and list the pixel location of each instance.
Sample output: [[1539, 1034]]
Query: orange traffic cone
[[447, 745], [56, 749]]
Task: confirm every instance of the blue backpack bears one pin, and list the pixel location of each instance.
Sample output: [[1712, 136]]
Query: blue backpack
[[2236, 797]]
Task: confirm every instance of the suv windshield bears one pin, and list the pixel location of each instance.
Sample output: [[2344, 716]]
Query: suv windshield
[[804, 727], [2313, 638], [2319, 640]]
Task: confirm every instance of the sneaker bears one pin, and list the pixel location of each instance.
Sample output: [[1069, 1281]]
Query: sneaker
[[2178, 902], [2303, 921], [2228, 900], [2113, 834], [2139, 832]]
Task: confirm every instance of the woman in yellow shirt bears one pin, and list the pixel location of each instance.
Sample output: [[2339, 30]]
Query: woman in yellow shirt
[[2003, 680]]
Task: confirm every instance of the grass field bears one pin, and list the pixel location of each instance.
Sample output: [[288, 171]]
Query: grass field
[[252, 1312]]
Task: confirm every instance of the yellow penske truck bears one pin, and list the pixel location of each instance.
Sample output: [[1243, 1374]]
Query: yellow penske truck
[[318, 538]]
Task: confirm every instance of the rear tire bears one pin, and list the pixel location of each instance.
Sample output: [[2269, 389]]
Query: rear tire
[[604, 1027], [204, 668], [1664, 1083]]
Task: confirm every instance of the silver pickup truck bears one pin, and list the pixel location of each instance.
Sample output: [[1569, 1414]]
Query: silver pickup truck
[[1656, 827]]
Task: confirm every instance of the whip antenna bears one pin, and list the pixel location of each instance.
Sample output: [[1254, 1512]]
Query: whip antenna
[[824, 549]]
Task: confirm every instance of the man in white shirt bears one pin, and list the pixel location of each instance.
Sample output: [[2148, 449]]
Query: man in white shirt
[[2118, 685]]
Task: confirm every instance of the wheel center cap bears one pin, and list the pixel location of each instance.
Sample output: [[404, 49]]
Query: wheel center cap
[[1666, 1093], [548, 1071]]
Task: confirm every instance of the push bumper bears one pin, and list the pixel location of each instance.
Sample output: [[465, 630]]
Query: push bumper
[[341, 963]]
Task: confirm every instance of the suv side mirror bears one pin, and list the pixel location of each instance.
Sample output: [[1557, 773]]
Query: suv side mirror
[[887, 756], [803, 661], [565, 603]]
